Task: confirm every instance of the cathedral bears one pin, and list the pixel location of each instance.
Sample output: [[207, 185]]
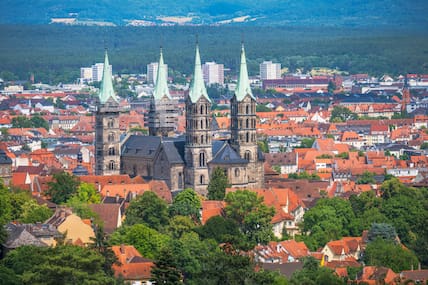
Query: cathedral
[[186, 161]]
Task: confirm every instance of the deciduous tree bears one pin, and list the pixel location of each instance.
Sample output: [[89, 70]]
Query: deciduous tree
[[62, 187], [218, 184]]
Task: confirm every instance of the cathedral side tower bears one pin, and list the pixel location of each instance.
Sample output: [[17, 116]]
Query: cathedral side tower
[[198, 146], [107, 133], [163, 113], [243, 126]]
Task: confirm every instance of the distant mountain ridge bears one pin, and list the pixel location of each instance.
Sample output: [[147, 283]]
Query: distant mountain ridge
[[398, 13]]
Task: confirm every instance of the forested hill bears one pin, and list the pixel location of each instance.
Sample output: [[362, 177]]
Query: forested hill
[[400, 13], [56, 53]]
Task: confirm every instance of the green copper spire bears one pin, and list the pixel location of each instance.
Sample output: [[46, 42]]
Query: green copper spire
[[243, 88], [161, 88], [106, 89], [197, 89]]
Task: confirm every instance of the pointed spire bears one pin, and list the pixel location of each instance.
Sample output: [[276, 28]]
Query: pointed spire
[[197, 89], [243, 88], [106, 89], [161, 88]]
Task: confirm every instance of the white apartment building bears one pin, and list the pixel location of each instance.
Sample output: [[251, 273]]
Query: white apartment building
[[152, 72], [97, 72], [270, 70], [86, 74], [213, 73]]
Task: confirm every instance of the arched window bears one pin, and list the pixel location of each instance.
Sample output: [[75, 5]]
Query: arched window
[[247, 109], [201, 179], [202, 124], [111, 151], [111, 165], [202, 139], [180, 180], [247, 155], [247, 123], [202, 109], [236, 172], [110, 123], [248, 137], [202, 159], [111, 137]]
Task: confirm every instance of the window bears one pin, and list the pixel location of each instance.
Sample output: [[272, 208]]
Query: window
[[236, 172], [111, 137], [247, 123], [111, 165], [202, 139], [247, 155], [202, 109], [201, 179], [247, 109], [110, 123], [180, 180], [248, 137], [202, 159], [111, 151]]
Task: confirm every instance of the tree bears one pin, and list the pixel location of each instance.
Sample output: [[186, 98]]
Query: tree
[[313, 274], [342, 114], [329, 219], [87, 193], [424, 145], [57, 265], [5, 211], [147, 209], [179, 225], [218, 184], [31, 212], [147, 241], [262, 108], [39, 122], [366, 178], [186, 203], [383, 231], [62, 187], [263, 145], [165, 271], [251, 214], [222, 230], [386, 253], [306, 143]]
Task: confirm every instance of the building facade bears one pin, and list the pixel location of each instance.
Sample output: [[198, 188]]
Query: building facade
[[107, 132], [213, 73], [190, 160], [270, 70]]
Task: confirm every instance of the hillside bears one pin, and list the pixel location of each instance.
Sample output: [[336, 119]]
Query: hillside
[[398, 13]]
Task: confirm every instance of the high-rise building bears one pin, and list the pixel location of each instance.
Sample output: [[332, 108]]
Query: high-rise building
[[86, 74], [152, 72], [213, 73], [97, 71], [270, 70]]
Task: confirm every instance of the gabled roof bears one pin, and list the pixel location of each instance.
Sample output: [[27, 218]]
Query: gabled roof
[[144, 146], [197, 89], [106, 88], [161, 87], [243, 87], [227, 155], [109, 214]]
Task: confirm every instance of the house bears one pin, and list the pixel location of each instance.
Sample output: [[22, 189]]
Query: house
[[29, 234], [347, 247], [210, 208], [281, 252], [133, 268], [372, 275], [287, 161], [110, 214], [76, 230], [420, 276]]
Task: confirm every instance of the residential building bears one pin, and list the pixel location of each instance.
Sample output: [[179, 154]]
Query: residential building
[[270, 70], [213, 73], [86, 74]]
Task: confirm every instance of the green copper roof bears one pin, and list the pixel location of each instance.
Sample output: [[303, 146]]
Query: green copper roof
[[197, 89], [106, 89], [161, 88], [243, 88]]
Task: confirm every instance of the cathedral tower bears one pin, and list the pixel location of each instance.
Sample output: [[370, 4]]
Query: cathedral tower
[[243, 126], [163, 113], [198, 150], [107, 133]]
